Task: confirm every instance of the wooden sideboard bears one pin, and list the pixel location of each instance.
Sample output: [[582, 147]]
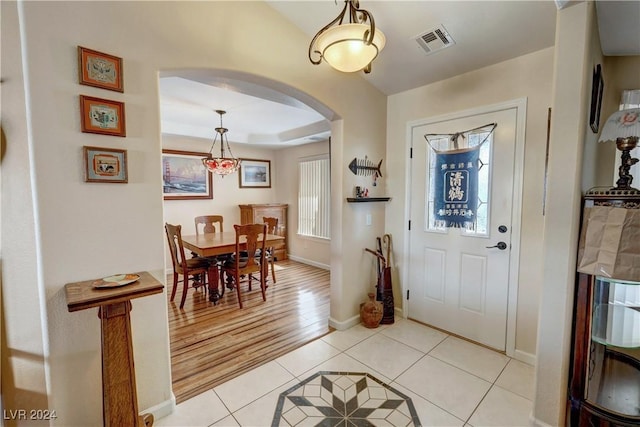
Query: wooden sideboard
[[253, 214]]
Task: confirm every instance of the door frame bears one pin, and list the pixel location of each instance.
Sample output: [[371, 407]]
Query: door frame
[[520, 104]]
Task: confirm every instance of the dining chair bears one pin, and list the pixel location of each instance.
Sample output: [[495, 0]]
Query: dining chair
[[272, 228], [209, 222], [245, 262], [195, 269]]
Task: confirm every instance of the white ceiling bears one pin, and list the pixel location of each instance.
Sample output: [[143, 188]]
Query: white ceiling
[[188, 108], [484, 32]]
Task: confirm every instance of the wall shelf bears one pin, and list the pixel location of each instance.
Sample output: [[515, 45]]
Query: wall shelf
[[367, 199]]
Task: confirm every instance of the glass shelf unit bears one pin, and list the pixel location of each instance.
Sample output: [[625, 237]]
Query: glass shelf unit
[[604, 379], [613, 370]]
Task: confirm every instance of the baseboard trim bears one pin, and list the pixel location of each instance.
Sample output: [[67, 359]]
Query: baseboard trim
[[355, 320], [534, 422], [525, 357], [309, 262], [341, 326], [162, 409]]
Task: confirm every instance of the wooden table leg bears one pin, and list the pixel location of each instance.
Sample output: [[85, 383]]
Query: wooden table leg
[[214, 280], [120, 404], [265, 273]]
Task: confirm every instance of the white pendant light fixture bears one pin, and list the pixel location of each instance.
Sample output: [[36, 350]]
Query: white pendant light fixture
[[348, 47], [221, 165]]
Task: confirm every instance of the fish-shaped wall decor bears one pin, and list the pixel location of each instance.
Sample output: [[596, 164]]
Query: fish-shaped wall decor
[[365, 167]]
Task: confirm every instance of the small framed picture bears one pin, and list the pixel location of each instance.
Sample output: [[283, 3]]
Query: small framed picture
[[102, 116], [184, 177], [255, 173], [100, 69], [105, 165]]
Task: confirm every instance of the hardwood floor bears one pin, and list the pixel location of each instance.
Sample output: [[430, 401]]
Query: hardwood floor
[[213, 344]]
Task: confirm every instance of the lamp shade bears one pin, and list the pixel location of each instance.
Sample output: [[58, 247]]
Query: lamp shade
[[621, 124], [344, 47], [221, 166]]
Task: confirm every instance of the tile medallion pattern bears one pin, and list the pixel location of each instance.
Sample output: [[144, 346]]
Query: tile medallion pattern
[[344, 399]]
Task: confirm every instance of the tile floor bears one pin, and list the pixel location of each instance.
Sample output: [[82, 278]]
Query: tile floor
[[451, 382]]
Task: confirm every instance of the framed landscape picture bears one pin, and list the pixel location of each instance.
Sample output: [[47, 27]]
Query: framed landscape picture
[[102, 116], [100, 69], [184, 176], [255, 173], [105, 165]]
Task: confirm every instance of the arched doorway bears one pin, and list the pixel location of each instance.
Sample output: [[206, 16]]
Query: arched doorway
[[197, 93]]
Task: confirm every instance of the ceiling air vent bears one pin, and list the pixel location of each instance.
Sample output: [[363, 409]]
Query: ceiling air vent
[[435, 39]]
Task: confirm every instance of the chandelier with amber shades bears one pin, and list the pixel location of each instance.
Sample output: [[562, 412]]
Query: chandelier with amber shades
[[221, 165]]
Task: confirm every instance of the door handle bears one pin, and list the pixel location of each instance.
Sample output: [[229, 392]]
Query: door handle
[[500, 245]]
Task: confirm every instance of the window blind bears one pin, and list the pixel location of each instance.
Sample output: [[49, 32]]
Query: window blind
[[314, 207]]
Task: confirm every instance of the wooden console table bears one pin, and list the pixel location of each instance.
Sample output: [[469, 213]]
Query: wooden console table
[[119, 398]]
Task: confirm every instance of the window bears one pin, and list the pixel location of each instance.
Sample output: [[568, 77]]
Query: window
[[484, 165], [314, 206]]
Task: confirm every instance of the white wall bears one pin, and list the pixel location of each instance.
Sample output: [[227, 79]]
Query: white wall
[[528, 76], [575, 58], [305, 249], [66, 230], [593, 155], [23, 349]]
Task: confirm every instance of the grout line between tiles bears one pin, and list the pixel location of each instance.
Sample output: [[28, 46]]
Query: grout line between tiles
[[223, 404], [422, 397], [478, 405], [393, 380], [493, 384], [409, 345]]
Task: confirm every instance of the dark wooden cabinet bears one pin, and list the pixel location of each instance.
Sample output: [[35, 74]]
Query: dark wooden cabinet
[[604, 387], [604, 381], [253, 214]]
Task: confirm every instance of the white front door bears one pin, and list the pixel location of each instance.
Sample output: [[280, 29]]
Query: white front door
[[458, 277]]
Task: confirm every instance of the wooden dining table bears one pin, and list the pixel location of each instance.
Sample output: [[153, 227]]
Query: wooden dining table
[[214, 244]]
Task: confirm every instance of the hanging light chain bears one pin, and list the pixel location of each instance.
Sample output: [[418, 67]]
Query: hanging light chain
[[354, 10], [221, 165], [327, 38]]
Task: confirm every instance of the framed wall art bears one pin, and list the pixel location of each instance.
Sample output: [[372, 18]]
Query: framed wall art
[[255, 173], [597, 88], [105, 165], [100, 69], [184, 176], [102, 116]]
